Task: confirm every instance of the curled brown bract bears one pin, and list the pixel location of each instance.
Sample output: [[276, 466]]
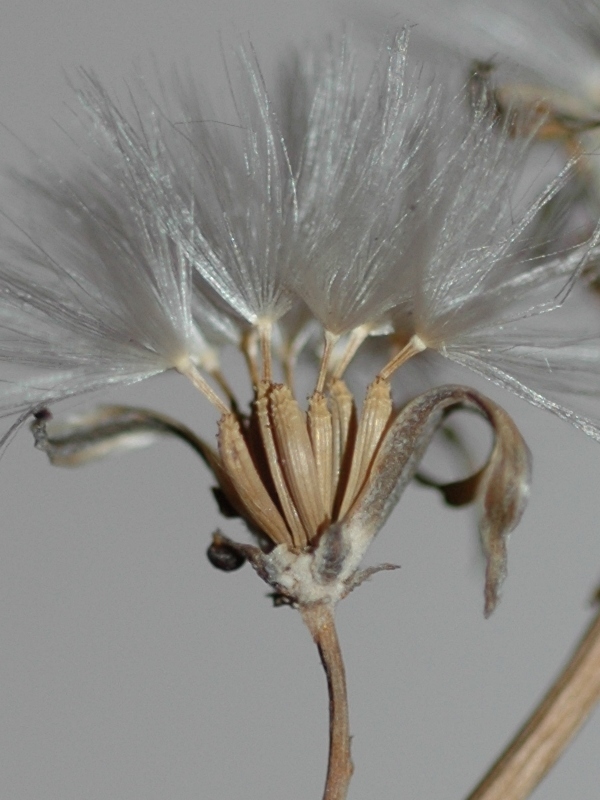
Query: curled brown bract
[[500, 487]]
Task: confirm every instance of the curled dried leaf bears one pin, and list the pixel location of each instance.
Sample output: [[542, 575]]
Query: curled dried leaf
[[501, 487], [83, 438], [502, 491]]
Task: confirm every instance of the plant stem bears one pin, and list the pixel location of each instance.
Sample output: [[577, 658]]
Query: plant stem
[[551, 727], [319, 620]]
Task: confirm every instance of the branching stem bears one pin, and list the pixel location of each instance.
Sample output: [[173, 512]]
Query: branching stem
[[357, 337], [190, 371], [330, 340], [414, 346], [264, 338], [551, 727], [319, 620]]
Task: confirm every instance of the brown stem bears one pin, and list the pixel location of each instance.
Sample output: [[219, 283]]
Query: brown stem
[[319, 620], [551, 727]]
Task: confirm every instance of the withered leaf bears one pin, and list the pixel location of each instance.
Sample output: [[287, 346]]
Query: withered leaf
[[81, 439], [501, 487]]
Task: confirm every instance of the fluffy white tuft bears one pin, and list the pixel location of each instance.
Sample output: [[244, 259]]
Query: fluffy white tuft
[[378, 207], [238, 211], [360, 159], [95, 290]]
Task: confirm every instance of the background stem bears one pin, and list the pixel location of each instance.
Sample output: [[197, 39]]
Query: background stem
[[550, 728], [319, 620]]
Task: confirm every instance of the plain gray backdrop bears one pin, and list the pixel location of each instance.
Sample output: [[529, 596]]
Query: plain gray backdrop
[[130, 669]]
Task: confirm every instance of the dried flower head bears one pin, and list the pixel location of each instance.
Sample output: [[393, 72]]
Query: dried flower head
[[379, 211], [336, 210]]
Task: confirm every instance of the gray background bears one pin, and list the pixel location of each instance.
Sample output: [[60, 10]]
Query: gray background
[[130, 669]]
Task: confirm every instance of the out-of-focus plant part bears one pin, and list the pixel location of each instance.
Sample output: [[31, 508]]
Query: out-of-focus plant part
[[536, 63], [551, 727]]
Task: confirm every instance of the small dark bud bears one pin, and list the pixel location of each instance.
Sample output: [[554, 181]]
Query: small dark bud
[[42, 415], [224, 556]]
